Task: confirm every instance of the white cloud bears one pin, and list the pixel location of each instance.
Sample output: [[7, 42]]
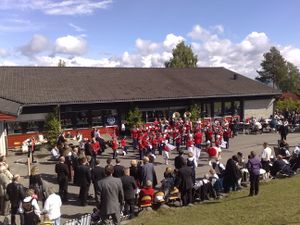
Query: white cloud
[[57, 7], [291, 54], [171, 41], [199, 33], [70, 45], [146, 47], [255, 42], [209, 45], [3, 52], [76, 61], [37, 44], [17, 25], [7, 63], [76, 28]]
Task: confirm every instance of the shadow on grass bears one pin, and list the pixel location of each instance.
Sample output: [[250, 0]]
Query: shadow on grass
[[237, 198]]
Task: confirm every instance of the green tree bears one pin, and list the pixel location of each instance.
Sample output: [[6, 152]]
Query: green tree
[[183, 57], [134, 117], [274, 69], [53, 127], [61, 63], [195, 112]]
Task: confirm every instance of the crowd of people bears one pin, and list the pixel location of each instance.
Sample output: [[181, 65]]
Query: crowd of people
[[17, 199], [120, 190]]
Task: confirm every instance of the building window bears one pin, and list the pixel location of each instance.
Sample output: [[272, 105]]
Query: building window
[[237, 108], [25, 127], [89, 118], [228, 110], [206, 110], [217, 109]]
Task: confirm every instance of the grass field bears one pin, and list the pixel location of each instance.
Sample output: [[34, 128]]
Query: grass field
[[278, 203]]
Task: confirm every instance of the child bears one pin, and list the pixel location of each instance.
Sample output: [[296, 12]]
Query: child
[[124, 146]]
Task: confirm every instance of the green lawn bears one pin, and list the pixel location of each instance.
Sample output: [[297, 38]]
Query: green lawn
[[277, 204]]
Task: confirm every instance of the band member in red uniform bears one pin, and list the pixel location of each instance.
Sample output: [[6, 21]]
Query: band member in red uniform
[[135, 136], [198, 139], [114, 146], [226, 136], [124, 146]]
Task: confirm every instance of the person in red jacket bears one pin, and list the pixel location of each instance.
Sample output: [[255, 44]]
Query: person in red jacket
[[198, 139], [146, 191], [124, 146], [114, 146]]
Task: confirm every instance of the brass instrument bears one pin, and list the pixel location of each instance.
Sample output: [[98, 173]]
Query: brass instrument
[[176, 115], [187, 115]]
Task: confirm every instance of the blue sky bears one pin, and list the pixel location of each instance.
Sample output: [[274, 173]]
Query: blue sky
[[230, 33]]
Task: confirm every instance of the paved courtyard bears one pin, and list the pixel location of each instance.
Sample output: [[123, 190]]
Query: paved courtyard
[[243, 143]]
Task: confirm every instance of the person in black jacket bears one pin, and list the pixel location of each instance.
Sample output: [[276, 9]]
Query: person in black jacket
[[118, 169], [84, 180], [231, 176], [16, 194], [179, 160], [97, 173], [129, 186], [185, 184], [62, 178]]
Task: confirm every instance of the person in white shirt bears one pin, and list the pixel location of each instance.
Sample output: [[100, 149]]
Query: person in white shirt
[[52, 206], [266, 156], [55, 153]]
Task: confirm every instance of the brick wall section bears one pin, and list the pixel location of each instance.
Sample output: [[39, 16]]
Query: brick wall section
[[258, 108]]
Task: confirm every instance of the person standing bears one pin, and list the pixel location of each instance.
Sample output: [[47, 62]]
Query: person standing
[[5, 179], [84, 180], [148, 172], [185, 184], [62, 178], [97, 173], [36, 183], [52, 206], [31, 209], [111, 197], [16, 194], [129, 187], [254, 166], [118, 169], [179, 160]]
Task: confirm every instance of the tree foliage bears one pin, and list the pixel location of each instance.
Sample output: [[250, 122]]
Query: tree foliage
[[53, 127], [183, 57], [195, 112], [288, 104], [61, 63], [134, 117], [279, 72]]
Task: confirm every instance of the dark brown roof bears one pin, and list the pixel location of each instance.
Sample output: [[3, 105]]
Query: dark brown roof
[[69, 85], [9, 107]]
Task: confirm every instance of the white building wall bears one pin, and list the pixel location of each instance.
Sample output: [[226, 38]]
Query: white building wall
[[262, 108], [2, 139]]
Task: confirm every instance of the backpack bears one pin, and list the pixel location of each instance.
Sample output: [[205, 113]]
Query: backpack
[[27, 206]]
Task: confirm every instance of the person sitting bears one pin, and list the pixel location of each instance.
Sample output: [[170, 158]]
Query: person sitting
[[281, 166], [146, 195], [216, 182], [168, 181], [203, 189], [284, 149]]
